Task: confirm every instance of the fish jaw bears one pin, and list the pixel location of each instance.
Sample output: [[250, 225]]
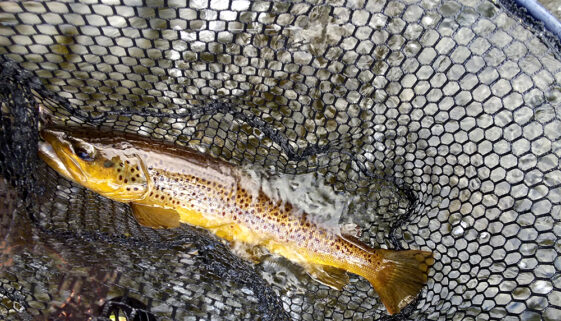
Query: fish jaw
[[49, 156], [57, 151]]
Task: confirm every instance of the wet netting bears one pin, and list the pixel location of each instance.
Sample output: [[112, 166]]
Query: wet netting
[[440, 121]]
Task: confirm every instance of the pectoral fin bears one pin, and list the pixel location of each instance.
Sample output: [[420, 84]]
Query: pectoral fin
[[155, 217], [328, 275]]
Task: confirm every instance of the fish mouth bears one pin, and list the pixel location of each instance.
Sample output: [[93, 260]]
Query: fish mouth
[[53, 148], [49, 156]]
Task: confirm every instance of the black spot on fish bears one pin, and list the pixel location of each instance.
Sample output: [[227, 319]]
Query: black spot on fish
[[126, 180]]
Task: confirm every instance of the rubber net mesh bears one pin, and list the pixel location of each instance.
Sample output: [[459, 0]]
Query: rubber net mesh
[[440, 120]]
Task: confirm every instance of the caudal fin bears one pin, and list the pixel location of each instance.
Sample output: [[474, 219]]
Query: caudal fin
[[400, 277]]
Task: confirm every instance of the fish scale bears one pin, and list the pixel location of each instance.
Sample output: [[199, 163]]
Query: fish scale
[[259, 214], [166, 186]]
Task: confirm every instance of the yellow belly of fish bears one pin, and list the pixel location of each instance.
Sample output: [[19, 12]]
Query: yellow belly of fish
[[150, 212], [223, 228], [315, 264]]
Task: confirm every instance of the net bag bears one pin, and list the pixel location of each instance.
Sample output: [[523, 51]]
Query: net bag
[[438, 121]]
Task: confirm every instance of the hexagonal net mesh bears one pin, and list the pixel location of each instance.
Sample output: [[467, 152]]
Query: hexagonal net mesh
[[439, 120]]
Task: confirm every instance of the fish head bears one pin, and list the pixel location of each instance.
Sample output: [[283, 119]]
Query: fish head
[[95, 164]]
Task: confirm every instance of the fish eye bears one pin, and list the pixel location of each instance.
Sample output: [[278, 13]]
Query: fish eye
[[83, 150], [83, 154]]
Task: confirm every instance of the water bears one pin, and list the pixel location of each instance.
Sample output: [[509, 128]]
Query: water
[[307, 192]]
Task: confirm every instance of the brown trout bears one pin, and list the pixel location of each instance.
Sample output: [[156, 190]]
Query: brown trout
[[166, 185]]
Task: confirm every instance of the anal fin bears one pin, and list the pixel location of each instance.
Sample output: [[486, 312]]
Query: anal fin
[[155, 217], [328, 275]]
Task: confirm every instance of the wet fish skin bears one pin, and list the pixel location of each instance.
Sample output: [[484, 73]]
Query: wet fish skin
[[166, 185]]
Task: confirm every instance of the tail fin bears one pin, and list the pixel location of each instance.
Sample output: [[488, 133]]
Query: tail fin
[[400, 277]]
